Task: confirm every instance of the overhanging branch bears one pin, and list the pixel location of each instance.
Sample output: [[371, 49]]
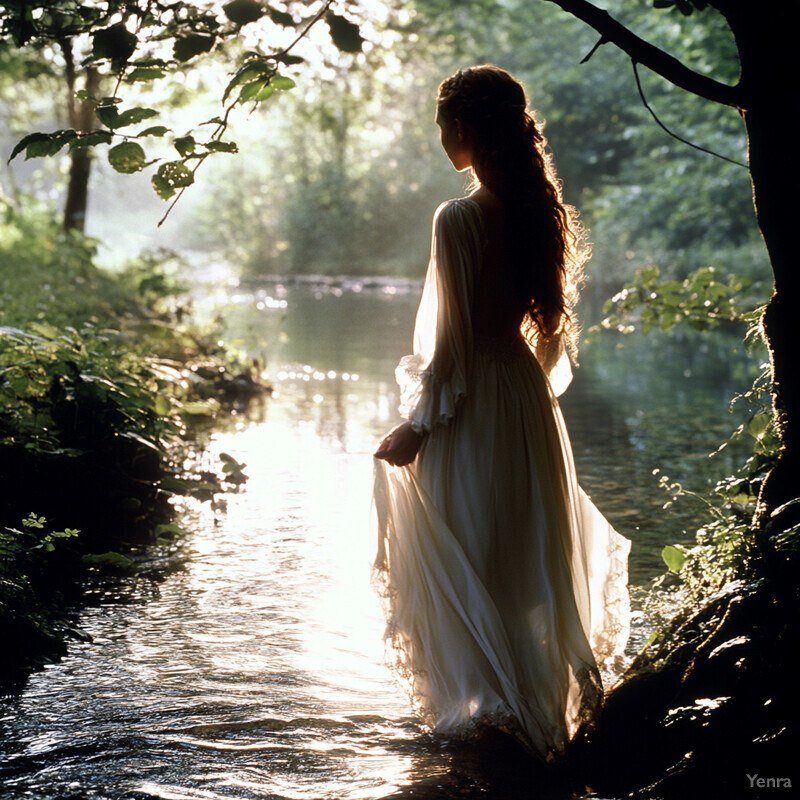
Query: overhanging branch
[[651, 56]]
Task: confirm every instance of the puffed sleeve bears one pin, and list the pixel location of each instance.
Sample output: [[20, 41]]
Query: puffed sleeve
[[554, 361], [434, 377]]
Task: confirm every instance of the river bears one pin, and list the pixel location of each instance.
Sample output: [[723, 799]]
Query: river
[[248, 663]]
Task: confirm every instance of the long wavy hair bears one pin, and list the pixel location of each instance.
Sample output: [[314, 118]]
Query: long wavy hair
[[548, 245]]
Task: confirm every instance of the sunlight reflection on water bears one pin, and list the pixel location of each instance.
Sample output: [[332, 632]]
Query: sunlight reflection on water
[[317, 555], [257, 671]]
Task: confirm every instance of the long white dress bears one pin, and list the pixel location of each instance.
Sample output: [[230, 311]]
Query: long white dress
[[505, 588]]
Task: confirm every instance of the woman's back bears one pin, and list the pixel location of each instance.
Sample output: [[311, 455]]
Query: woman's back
[[497, 308]]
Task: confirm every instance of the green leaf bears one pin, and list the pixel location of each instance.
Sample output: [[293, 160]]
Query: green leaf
[[229, 461], [187, 47], [171, 176], [176, 485], [23, 144], [647, 275], [668, 321], [142, 74], [155, 130], [201, 407], [248, 71], [222, 147], [280, 17], [345, 34], [252, 89], [134, 115], [185, 145], [282, 82], [266, 92], [110, 558], [116, 42], [289, 58], [38, 145], [67, 533], [107, 114], [162, 187], [168, 531], [261, 89], [759, 425], [243, 11], [162, 405], [91, 139], [673, 557], [670, 286], [51, 145], [127, 157]]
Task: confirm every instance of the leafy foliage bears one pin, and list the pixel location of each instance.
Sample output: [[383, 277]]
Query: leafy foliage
[[142, 42], [724, 549], [702, 301], [101, 379], [26, 553]]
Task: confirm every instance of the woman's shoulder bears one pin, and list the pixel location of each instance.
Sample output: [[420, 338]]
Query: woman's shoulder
[[463, 210], [481, 212], [459, 223], [481, 203]]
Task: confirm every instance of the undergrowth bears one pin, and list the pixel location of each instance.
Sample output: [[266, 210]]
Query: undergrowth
[[103, 378], [724, 550]]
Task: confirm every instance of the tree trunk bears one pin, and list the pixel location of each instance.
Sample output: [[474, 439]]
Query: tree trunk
[[81, 118], [769, 67]]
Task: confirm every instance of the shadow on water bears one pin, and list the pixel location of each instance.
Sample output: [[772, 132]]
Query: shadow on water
[[493, 765]]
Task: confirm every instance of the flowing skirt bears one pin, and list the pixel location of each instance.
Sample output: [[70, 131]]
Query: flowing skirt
[[505, 588]]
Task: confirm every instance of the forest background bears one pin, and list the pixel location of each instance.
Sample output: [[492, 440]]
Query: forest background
[[339, 175], [335, 171]]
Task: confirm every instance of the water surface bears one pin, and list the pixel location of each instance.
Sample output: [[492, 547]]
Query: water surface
[[249, 663]]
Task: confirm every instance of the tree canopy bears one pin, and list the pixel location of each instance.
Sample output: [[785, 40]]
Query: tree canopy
[[121, 45]]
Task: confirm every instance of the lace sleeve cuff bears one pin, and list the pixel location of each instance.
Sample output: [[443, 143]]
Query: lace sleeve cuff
[[425, 401]]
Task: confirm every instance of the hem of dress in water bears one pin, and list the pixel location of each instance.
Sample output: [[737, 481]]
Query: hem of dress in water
[[487, 729]]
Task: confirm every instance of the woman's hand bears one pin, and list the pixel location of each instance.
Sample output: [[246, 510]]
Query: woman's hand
[[400, 446]]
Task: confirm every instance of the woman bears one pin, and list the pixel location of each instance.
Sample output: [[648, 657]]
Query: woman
[[505, 587]]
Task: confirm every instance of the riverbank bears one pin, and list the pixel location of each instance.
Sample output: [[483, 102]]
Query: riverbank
[[709, 709], [103, 379]]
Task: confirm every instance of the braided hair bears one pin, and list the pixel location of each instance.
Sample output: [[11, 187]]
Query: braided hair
[[547, 241]]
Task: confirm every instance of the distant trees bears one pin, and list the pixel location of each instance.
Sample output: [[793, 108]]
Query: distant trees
[[347, 170], [646, 197]]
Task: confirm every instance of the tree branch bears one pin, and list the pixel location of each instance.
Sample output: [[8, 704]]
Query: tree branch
[[675, 135], [652, 57]]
